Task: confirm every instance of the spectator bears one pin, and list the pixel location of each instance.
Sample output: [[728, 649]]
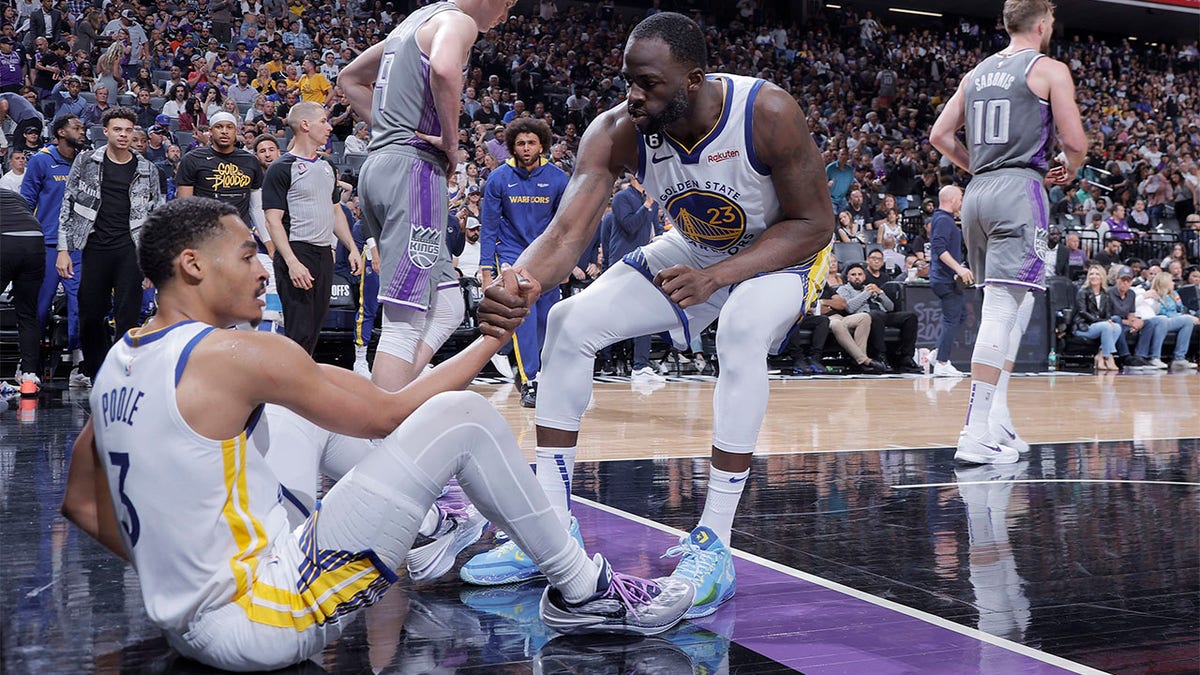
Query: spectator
[[12, 67], [95, 111], [156, 144], [105, 224], [1123, 301], [86, 31], [1175, 318], [847, 229], [840, 174], [852, 331], [145, 111], [1070, 258], [862, 296], [16, 172], [45, 22], [23, 265], [1116, 227], [29, 141], [22, 113], [947, 271], [1094, 318], [1110, 255], [313, 85], [357, 143], [242, 92], [467, 262], [498, 147], [1178, 253]]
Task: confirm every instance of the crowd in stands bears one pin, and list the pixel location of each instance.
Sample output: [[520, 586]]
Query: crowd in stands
[[871, 92]]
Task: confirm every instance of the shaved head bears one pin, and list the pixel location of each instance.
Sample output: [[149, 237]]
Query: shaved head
[[950, 198]]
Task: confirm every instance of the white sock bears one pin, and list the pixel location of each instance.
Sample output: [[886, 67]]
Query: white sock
[[360, 353], [999, 411], [724, 493], [555, 469], [581, 583], [979, 407], [430, 524]]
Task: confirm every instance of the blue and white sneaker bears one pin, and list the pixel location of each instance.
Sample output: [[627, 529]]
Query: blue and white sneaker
[[708, 564], [460, 525], [507, 563]]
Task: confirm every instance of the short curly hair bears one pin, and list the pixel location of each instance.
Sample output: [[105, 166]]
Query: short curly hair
[[527, 125], [179, 224]]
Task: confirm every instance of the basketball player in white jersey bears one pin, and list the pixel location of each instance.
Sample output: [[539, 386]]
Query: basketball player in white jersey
[[733, 163], [1011, 105], [169, 472]]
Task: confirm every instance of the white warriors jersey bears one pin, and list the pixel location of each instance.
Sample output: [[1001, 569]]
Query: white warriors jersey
[[197, 515], [718, 195]]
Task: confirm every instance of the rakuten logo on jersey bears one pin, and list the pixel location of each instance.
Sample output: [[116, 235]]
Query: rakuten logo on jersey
[[718, 157]]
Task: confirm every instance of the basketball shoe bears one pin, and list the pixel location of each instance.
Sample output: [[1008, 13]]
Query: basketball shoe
[[1007, 436], [708, 564], [459, 526], [507, 563], [621, 604], [972, 450]]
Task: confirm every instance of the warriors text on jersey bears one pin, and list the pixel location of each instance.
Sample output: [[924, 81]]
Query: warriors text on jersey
[[719, 197]]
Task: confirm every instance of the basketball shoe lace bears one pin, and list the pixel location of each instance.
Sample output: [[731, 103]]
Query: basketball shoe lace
[[696, 563], [631, 591]]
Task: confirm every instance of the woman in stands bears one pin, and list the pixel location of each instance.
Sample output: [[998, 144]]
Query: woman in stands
[[1169, 307], [1094, 318], [1178, 252], [847, 229]]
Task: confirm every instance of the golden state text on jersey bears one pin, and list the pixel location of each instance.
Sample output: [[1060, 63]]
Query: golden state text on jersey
[[719, 196]]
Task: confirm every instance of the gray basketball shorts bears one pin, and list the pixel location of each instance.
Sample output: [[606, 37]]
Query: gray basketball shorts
[[1005, 218], [403, 200]]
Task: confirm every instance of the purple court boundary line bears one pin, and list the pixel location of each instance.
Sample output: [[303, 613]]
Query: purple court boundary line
[[815, 625]]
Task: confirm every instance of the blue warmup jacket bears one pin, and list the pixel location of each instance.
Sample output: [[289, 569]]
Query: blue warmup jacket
[[517, 207], [43, 187]]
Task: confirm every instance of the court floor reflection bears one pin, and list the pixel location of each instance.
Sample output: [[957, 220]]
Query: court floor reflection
[[1088, 551]]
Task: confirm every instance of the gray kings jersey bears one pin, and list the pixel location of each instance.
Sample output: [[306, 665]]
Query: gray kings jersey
[[1008, 126], [403, 101]]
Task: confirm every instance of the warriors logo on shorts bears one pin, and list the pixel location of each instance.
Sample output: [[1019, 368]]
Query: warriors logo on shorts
[[424, 246], [708, 219]]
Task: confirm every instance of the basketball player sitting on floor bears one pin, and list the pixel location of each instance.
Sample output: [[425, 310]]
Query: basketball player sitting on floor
[[169, 472]]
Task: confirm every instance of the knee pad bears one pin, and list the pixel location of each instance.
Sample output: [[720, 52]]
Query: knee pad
[[445, 316], [402, 329], [1024, 312], [1001, 306]]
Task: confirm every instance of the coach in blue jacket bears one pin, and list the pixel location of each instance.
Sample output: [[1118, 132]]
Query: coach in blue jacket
[[519, 199]]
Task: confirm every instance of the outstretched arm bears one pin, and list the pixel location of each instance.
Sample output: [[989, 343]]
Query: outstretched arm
[[608, 146]]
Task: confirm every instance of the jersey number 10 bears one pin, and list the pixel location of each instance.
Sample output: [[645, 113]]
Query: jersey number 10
[[990, 121]]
